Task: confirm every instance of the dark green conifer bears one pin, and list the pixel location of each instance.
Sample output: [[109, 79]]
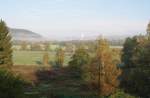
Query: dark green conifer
[[5, 45]]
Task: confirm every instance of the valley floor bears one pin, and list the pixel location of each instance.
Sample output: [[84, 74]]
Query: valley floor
[[29, 58]]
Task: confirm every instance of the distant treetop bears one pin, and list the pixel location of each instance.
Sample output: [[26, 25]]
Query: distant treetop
[[148, 29]]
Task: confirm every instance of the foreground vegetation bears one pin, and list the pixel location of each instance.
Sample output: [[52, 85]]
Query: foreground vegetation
[[58, 83], [11, 86]]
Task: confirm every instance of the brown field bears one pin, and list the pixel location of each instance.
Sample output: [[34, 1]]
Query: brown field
[[27, 72]]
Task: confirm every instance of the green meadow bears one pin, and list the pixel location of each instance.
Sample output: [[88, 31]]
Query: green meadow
[[34, 57]]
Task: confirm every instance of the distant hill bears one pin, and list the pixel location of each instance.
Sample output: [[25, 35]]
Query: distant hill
[[27, 35], [23, 34]]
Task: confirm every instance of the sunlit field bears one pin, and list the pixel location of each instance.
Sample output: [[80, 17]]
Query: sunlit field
[[29, 58]]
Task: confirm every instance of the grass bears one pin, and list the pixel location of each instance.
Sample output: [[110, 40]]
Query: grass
[[34, 57]]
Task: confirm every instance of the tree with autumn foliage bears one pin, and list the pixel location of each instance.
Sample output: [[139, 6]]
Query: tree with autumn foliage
[[24, 45], [60, 57], [5, 45], [102, 70], [46, 58]]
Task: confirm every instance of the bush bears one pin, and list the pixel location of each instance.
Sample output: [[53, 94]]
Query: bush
[[10, 86], [121, 94]]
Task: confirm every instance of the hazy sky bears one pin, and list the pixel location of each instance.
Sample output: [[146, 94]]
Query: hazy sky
[[71, 18]]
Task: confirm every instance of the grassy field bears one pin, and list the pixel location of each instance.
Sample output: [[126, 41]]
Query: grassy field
[[34, 57]]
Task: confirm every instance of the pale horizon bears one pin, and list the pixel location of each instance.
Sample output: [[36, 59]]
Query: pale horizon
[[61, 19]]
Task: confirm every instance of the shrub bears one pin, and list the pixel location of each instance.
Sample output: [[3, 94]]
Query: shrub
[[121, 94], [10, 86]]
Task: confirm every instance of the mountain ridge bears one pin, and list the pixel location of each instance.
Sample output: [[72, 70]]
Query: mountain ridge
[[24, 34]]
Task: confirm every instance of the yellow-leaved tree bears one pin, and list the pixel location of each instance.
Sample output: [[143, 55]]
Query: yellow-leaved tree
[[102, 70]]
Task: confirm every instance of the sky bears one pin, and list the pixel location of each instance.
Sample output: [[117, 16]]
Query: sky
[[62, 19]]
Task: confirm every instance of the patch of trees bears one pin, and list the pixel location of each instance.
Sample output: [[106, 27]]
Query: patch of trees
[[136, 70], [100, 71]]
